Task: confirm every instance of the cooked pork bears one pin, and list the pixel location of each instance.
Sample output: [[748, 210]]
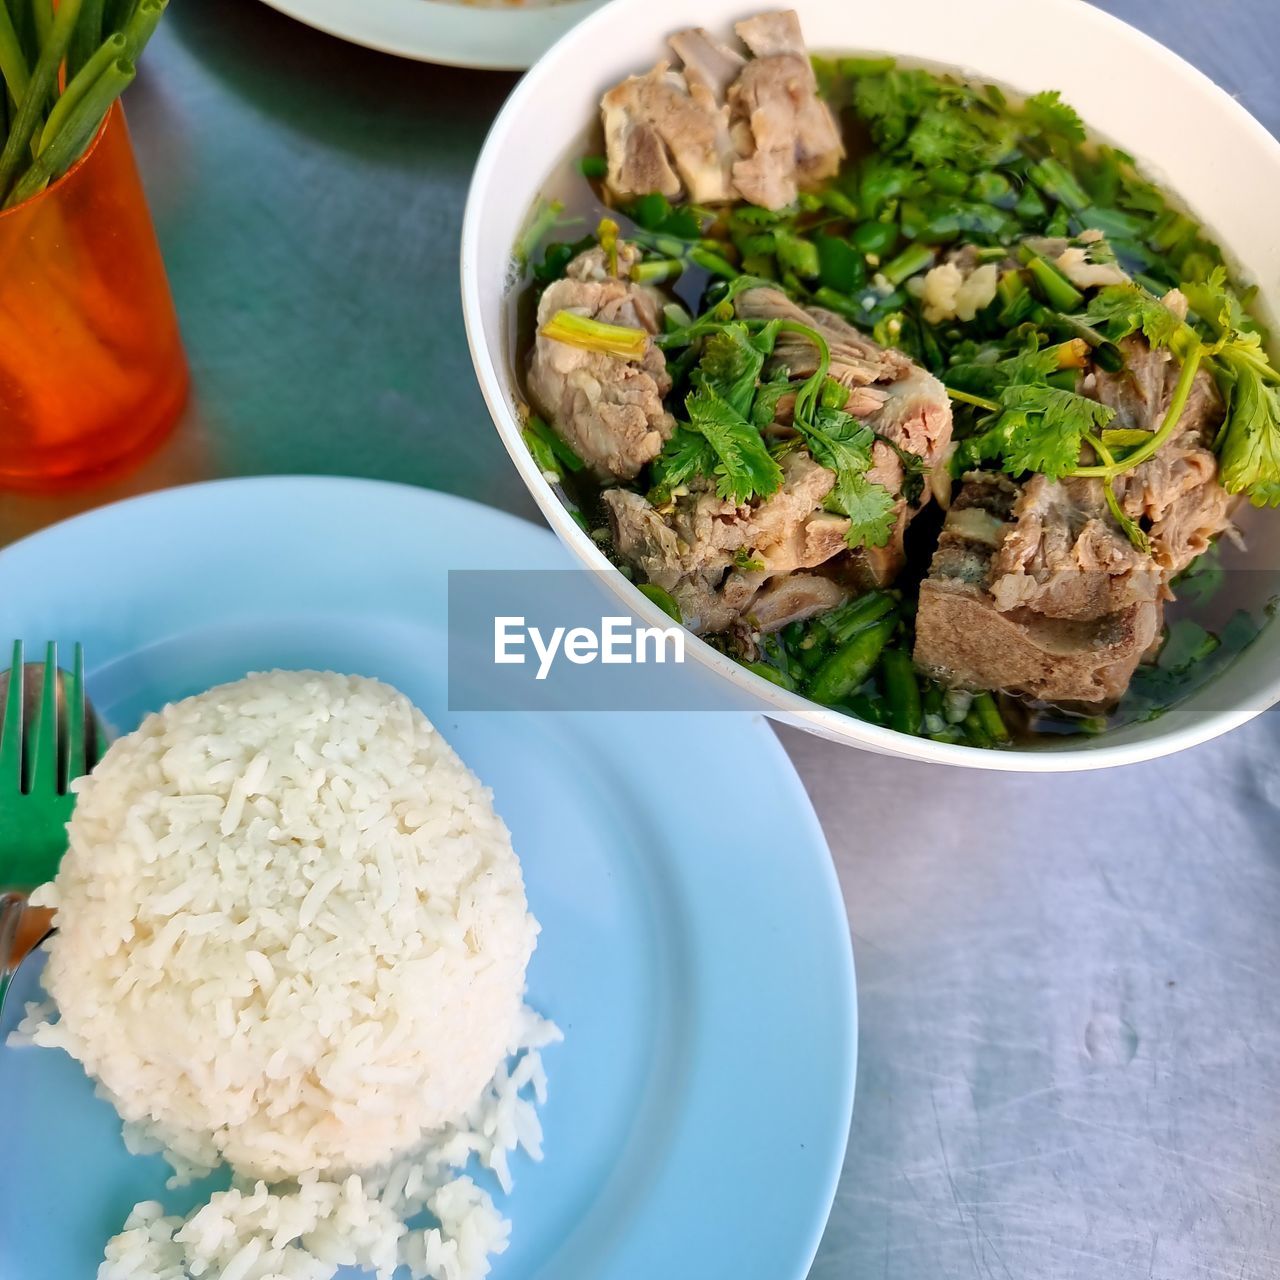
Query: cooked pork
[[714, 556], [964, 638], [900, 401], [907, 407], [709, 66], [1017, 562], [795, 141], [608, 409], [1064, 556], [664, 135], [1175, 494], [793, 599], [723, 127]]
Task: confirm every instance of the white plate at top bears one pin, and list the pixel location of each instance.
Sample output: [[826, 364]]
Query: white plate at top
[[490, 34]]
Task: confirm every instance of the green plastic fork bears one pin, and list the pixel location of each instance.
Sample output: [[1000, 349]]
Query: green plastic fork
[[38, 763]]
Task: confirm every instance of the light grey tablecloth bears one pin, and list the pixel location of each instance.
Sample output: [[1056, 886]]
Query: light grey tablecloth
[[1070, 1063]]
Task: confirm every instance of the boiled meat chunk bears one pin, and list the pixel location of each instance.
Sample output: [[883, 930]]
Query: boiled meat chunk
[[608, 409], [723, 127]]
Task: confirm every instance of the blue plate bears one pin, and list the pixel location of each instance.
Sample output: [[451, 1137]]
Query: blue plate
[[694, 950]]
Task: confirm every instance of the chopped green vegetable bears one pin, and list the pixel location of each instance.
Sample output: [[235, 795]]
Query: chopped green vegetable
[[595, 335], [560, 450], [842, 623], [1059, 292], [772, 674], [852, 663], [744, 467], [1049, 114], [989, 718], [906, 712], [1040, 428], [663, 599], [1121, 309]]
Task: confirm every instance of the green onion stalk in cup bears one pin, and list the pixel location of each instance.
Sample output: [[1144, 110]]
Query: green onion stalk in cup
[[63, 67]]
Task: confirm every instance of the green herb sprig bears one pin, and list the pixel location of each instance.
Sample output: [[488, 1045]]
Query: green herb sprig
[[61, 75]]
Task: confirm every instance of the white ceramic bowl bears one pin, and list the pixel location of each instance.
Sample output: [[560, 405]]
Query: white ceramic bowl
[[1188, 134]]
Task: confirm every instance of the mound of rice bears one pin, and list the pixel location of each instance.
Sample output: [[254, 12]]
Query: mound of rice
[[292, 934]]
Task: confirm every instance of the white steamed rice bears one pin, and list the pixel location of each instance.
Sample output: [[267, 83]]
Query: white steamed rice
[[293, 935]]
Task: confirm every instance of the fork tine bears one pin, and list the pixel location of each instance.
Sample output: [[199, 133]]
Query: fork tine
[[77, 761], [11, 736], [42, 763]]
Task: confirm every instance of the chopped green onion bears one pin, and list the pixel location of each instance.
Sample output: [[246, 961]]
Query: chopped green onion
[[852, 663], [712, 262], [656, 270], [1059, 183], [772, 674], [875, 238], [542, 222], [906, 712], [538, 427], [913, 259], [1058, 290], [595, 335], [841, 623], [663, 599], [989, 717]]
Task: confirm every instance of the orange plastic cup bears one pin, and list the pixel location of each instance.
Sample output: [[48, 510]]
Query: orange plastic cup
[[92, 371]]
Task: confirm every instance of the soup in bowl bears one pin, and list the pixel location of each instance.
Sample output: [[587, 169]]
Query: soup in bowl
[[933, 399]]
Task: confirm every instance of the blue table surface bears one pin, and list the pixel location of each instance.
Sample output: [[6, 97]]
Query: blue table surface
[[1070, 1060]]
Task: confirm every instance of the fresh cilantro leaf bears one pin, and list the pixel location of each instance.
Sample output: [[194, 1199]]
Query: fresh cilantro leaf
[[838, 440], [1249, 442], [988, 377], [744, 468], [745, 562], [963, 134], [1040, 429], [765, 409], [1049, 114], [732, 360], [890, 102], [686, 456], [1249, 456], [1217, 304], [1121, 309], [1186, 644], [1029, 367], [843, 445], [871, 508]]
